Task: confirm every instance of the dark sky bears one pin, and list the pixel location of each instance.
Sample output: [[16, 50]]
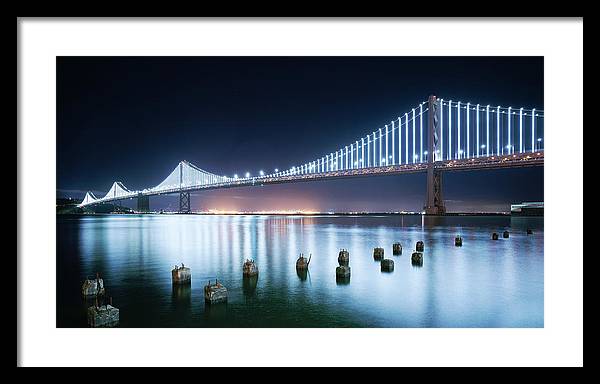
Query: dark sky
[[133, 119]]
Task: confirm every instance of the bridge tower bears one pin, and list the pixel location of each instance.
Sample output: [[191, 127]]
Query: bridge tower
[[184, 202], [434, 204]]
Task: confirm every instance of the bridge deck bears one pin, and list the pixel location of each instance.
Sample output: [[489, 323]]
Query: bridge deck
[[480, 163]]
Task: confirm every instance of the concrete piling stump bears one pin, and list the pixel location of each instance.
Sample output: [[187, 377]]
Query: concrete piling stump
[[302, 262], [417, 258], [103, 316], [458, 241], [378, 253], [93, 287], [302, 274], [215, 293], [505, 234], [397, 249], [181, 275], [529, 231], [420, 247], [342, 272], [249, 284], [387, 265], [250, 268], [343, 257], [494, 236]]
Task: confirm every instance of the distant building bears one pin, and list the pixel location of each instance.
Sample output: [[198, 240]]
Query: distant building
[[527, 209]]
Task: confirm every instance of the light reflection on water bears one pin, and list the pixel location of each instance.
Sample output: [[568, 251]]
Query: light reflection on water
[[484, 283]]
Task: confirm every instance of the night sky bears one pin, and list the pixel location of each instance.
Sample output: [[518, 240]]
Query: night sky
[[132, 119]]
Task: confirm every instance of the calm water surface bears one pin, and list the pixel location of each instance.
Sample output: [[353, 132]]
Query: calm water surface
[[484, 283]]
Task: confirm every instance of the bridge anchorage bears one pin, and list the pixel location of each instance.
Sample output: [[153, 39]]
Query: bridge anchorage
[[435, 137]]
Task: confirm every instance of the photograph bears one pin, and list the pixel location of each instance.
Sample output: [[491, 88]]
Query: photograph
[[300, 192]]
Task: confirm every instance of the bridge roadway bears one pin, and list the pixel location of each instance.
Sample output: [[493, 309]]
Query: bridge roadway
[[516, 160]]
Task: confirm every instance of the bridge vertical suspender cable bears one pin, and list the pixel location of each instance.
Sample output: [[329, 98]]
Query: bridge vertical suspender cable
[[487, 130], [477, 127], [533, 130], [393, 143], [499, 151], [386, 146], [421, 133], [441, 109], [521, 130], [468, 131], [458, 148], [508, 132], [362, 152], [450, 130]]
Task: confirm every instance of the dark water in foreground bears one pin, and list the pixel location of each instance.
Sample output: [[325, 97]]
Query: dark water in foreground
[[484, 283]]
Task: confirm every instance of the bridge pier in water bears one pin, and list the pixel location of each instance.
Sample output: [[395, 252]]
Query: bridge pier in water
[[435, 201], [143, 203], [434, 204], [184, 202]]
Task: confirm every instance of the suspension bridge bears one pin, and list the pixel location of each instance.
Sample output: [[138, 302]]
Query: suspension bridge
[[435, 137]]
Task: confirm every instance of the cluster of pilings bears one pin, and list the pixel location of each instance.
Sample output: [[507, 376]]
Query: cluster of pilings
[[213, 292], [386, 265], [506, 234], [416, 258], [101, 313]]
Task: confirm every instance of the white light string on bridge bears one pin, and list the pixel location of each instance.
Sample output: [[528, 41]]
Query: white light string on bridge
[[517, 130], [397, 143]]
